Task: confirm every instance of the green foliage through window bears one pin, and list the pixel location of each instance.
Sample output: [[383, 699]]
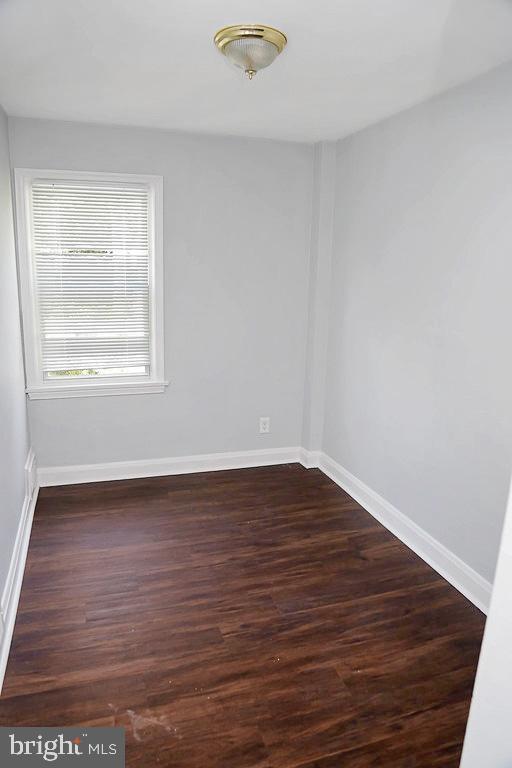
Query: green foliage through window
[[75, 372]]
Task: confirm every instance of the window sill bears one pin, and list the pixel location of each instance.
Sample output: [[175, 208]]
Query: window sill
[[96, 390]]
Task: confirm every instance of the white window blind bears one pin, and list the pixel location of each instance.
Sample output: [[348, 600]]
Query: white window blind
[[91, 244]]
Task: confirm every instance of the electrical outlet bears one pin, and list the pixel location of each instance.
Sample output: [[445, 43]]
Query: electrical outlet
[[264, 425]]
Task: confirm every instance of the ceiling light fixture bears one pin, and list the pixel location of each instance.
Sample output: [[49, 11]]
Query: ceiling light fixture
[[250, 46]]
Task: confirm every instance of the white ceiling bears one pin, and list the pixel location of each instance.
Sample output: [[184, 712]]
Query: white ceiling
[[348, 63]]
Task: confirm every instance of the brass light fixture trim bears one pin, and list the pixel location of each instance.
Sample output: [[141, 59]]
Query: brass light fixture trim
[[250, 46]]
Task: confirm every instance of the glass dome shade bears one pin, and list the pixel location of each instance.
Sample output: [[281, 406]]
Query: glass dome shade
[[251, 53]]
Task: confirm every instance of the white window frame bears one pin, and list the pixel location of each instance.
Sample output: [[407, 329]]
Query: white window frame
[[39, 388]]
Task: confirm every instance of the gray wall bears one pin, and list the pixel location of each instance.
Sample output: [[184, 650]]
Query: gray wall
[[322, 217], [419, 369], [236, 229], [13, 415], [487, 740]]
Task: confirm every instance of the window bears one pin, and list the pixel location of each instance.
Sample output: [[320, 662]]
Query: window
[[90, 251]]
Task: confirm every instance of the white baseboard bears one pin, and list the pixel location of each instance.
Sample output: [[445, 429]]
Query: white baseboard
[[446, 563], [12, 589], [180, 465], [310, 459]]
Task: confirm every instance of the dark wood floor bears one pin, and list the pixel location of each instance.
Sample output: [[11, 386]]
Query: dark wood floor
[[256, 618]]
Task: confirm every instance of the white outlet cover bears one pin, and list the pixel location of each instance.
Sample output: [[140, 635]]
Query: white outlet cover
[[264, 425]]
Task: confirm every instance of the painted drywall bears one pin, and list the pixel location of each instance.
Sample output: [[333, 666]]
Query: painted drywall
[[419, 373], [487, 740], [236, 250], [322, 219], [13, 413]]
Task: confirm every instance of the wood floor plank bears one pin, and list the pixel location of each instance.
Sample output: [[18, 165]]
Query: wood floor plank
[[256, 618]]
